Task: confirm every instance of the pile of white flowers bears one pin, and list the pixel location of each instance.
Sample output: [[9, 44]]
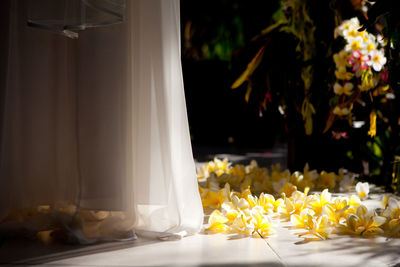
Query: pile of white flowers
[[318, 214]]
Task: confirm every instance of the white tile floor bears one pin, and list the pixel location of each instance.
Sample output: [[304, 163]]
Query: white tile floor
[[282, 249]]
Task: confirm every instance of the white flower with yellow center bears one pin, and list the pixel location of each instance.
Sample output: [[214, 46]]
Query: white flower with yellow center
[[348, 25], [392, 210], [370, 44], [392, 213], [217, 222], [202, 173], [343, 89], [365, 222], [355, 44], [261, 224], [354, 201], [317, 226], [241, 204], [300, 220], [378, 60], [229, 211], [269, 203], [352, 32], [318, 201], [241, 224], [362, 190], [212, 199], [279, 185]]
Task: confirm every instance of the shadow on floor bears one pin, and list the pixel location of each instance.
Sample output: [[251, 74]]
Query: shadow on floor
[[31, 252], [264, 157], [264, 264]]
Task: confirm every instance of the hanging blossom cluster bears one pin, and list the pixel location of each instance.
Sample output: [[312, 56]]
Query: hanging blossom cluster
[[359, 68], [319, 214]]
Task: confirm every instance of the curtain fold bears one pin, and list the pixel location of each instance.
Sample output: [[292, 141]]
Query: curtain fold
[[97, 126]]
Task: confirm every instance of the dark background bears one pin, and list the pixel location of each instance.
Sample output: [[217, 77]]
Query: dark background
[[219, 115]]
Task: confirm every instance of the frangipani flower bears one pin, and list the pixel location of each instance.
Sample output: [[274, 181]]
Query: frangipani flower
[[370, 44], [218, 166], [241, 225], [343, 89], [364, 222], [335, 216], [394, 227], [392, 210], [327, 180], [288, 189], [310, 175], [343, 206], [354, 44], [252, 200], [226, 191], [269, 203], [377, 60], [202, 172], [246, 183], [293, 205], [240, 203], [346, 183], [216, 222], [359, 62], [229, 211], [279, 184], [352, 32], [348, 25], [300, 220], [262, 224], [213, 199], [245, 193], [301, 196], [318, 201], [354, 201], [362, 190], [317, 226], [238, 170]]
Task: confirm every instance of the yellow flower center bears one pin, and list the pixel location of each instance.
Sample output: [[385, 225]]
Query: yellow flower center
[[377, 58], [355, 45], [370, 47], [353, 33], [362, 194]]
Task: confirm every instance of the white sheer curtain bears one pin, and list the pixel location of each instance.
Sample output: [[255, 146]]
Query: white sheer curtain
[[98, 124]]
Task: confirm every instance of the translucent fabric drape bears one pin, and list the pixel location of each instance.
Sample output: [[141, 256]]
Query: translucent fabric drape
[[96, 128], [67, 17]]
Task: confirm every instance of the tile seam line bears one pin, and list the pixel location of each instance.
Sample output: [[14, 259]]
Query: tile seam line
[[273, 250]]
